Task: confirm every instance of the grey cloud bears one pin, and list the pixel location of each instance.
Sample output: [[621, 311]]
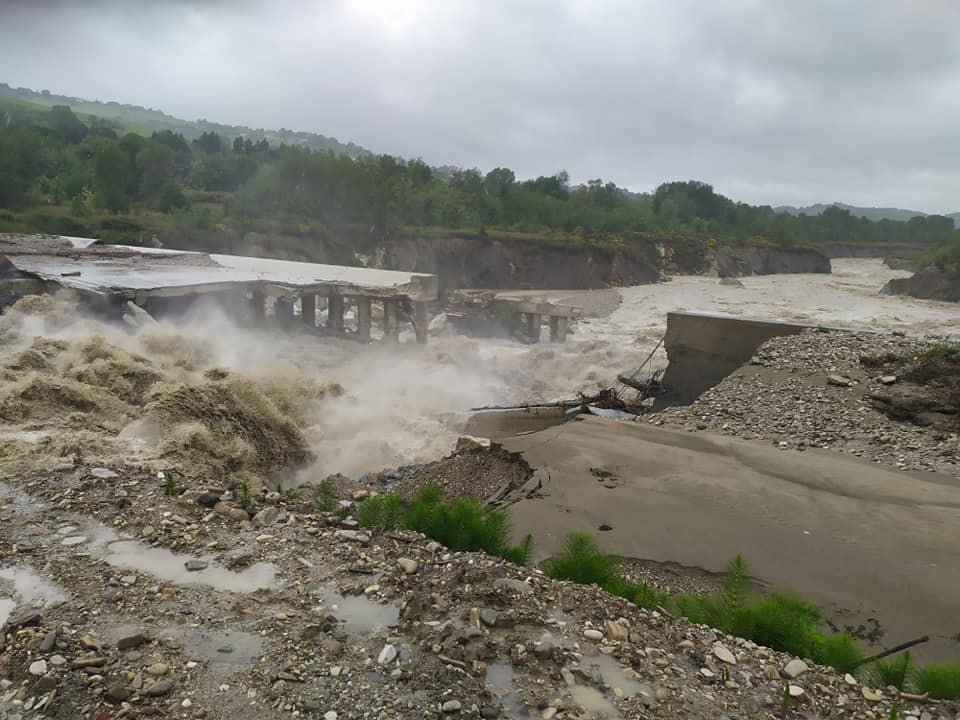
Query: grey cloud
[[770, 101]]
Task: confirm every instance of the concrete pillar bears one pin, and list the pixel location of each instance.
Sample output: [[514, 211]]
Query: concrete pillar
[[421, 322], [363, 318], [308, 309], [558, 328], [533, 326], [391, 320], [284, 312], [257, 308], [335, 313]]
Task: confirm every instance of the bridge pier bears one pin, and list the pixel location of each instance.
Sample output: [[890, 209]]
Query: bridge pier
[[283, 312], [534, 321], [335, 313], [364, 318], [257, 308], [558, 328], [421, 322], [308, 309], [391, 320]]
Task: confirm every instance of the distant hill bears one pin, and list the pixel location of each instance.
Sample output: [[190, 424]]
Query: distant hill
[[870, 213], [145, 121]]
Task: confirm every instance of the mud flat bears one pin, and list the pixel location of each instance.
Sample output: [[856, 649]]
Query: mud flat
[[865, 541]]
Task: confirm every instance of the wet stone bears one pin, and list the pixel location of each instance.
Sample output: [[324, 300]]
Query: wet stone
[[117, 693], [160, 688], [131, 640], [47, 682], [194, 565], [208, 500], [387, 655], [48, 642], [488, 617]]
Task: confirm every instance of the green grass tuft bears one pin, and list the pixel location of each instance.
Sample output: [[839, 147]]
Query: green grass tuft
[[840, 651], [900, 672], [941, 680], [463, 525], [583, 562]]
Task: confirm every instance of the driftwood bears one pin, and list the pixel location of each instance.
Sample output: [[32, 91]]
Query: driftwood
[[916, 698], [899, 648]]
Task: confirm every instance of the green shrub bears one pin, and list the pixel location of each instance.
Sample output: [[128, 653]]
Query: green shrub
[[583, 562], [384, 512], [841, 652], [942, 681], [899, 672], [783, 622], [463, 525]]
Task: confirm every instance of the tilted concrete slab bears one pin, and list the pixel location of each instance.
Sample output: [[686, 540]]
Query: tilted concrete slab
[[138, 273]]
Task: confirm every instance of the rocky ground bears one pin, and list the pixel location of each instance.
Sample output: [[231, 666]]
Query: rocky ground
[[481, 472], [133, 603], [857, 393]]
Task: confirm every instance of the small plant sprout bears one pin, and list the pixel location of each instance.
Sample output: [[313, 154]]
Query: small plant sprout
[[244, 499], [325, 496], [171, 483]]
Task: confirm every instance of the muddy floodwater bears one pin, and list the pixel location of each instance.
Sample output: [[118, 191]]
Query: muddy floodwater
[[357, 409]]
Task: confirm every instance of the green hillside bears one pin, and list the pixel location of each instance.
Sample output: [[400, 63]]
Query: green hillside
[[146, 121]]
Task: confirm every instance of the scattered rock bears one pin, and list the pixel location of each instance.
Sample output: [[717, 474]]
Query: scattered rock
[[518, 586], [451, 706], [195, 565], [266, 517], [117, 693], [796, 691], [208, 500], [838, 380], [407, 565], [158, 669], [38, 667], [794, 669], [592, 634], [73, 540], [618, 632], [724, 655], [160, 688], [871, 694], [387, 655], [103, 473], [470, 442], [488, 617], [131, 640]]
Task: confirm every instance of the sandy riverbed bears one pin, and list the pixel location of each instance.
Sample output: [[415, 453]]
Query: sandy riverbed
[[864, 540]]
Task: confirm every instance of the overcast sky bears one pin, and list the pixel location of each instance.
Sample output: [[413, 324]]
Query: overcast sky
[[771, 101]]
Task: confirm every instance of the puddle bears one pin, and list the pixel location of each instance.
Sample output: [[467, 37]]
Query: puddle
[[617, 676], [29, 589], [359, 615], [6, 608], [593, 701], [169, 566], [499, 681], [224, 652], [19, 501]]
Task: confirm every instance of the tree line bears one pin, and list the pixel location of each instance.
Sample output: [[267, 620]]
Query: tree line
[[87, 166]]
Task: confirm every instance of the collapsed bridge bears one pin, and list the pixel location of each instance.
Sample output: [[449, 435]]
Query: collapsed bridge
[[292, 294]]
